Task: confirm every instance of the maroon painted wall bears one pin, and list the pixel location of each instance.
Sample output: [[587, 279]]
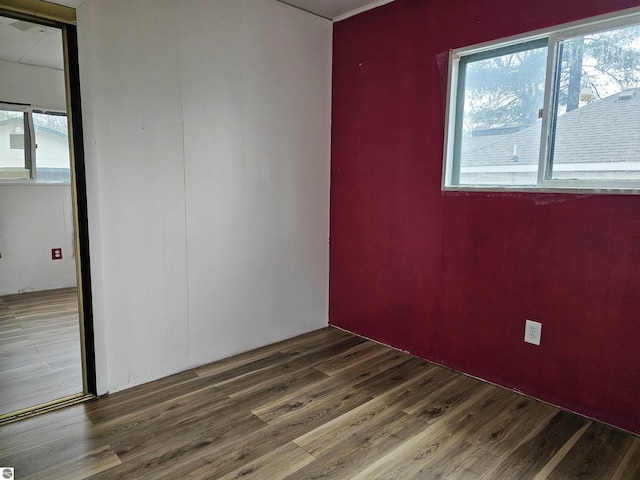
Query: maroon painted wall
[[452, 277]]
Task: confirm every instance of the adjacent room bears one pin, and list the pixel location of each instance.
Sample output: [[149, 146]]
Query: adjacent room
[[344, 239], [40, 344]]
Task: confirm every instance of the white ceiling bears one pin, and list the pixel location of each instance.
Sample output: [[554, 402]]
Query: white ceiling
[[30, 43], [33, 44], [331, 9], [335, 9]]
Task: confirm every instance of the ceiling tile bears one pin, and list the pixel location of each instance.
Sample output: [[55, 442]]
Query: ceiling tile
[[30, 43]]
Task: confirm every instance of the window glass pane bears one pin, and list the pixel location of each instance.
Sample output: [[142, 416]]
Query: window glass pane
[[597, 112], [499, 133], [52, 151], [12, 145]]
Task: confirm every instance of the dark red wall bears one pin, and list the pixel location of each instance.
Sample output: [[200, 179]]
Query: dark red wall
[[452, 277]]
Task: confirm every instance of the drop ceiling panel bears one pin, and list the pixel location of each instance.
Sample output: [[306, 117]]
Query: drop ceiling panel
[[47, 53], [30, 43]]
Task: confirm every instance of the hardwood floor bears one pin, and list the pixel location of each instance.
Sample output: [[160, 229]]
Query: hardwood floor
[[39, 348], [324, 405]]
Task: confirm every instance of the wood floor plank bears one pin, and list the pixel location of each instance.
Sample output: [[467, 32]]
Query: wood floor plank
[[173, 458], [44, 387], [629, 466], [396, 375], [348, 457], [35, 462], [371, 412], [364, 352], [595, 455], [312, 341], [532, 455], [463, 461], [206, 410], [148, 395], [84, 465], [25, 370], [38, 329], [274, 465], [381, 363], [560, 454], [427, 448], [448, 397], [153, 458], [38, 373], [42, 429], [220, 459], [430, 382], [40, 398], [323, 405], [248, 368], [300, 399], [157, 453], [269, 392], [514, 424], [284, 368], [292, 347]]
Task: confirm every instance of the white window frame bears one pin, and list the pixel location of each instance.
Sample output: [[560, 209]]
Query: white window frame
[[553, 36]]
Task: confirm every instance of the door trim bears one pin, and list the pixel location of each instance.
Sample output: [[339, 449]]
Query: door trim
[[40, 10]]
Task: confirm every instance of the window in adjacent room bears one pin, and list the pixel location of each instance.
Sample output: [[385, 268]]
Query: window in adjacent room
[[34, 145], [15, 153]]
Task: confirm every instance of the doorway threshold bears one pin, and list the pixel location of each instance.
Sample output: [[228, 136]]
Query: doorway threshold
[[45, 408]]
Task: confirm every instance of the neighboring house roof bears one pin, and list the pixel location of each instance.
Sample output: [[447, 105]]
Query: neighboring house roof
[[606, 130], [18, 122]]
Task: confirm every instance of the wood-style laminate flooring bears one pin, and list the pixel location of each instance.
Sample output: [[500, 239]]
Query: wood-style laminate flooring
[[39, 348], [323, 405]]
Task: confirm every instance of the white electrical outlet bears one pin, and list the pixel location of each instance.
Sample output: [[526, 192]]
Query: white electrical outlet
[[532, 332]]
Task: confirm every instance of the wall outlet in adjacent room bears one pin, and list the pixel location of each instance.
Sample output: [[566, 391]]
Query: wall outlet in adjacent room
[[532, 332], [56, 254]]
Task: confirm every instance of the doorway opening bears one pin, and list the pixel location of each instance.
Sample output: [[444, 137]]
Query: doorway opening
[[46, 331]]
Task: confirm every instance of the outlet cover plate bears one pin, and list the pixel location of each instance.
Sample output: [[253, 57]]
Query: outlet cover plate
[[532, 332]]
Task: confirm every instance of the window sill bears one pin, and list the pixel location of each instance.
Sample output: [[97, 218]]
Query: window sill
[[545, 190], [31, 183]]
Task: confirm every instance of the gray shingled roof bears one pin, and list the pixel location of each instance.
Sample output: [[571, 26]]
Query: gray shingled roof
[[607, 130]]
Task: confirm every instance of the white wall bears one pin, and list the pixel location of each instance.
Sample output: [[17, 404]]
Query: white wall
[[207, 133], [33, 220], [40, 87]]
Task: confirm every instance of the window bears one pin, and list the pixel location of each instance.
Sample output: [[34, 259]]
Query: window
[[34, 145], [14, 158], [555, 110]]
